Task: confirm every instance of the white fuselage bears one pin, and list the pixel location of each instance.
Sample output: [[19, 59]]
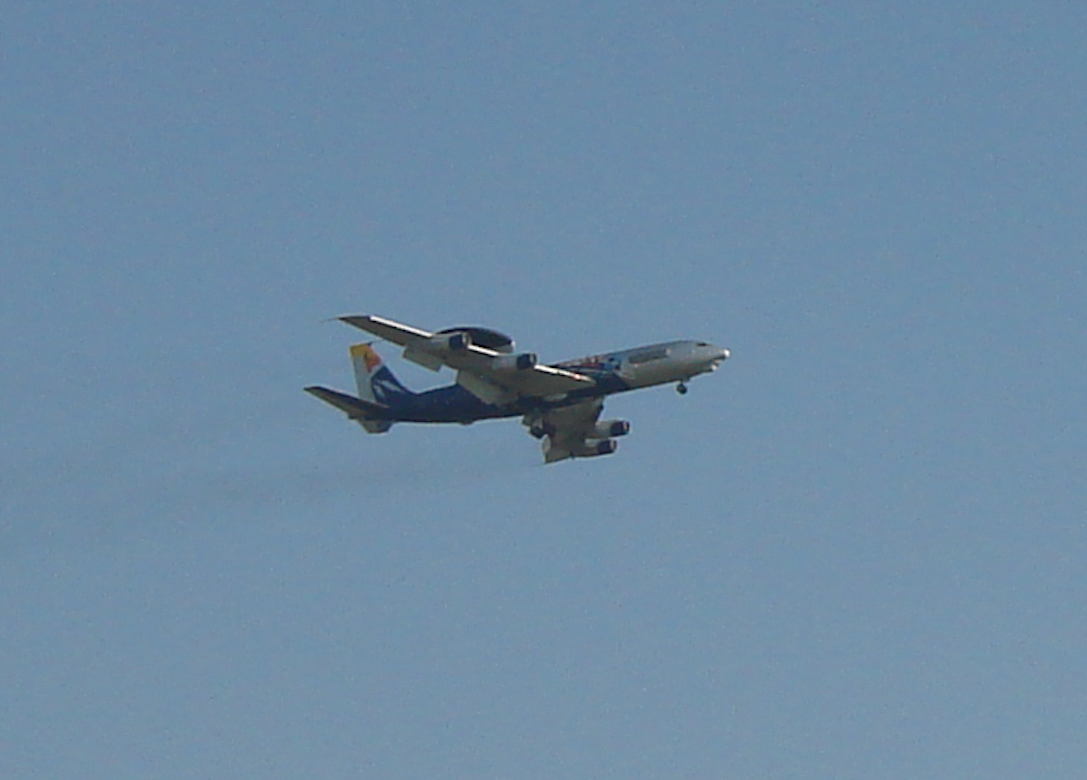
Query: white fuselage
[[655, 364]]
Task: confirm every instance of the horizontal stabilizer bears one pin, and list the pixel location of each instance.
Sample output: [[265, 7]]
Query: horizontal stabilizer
[[355, 408]]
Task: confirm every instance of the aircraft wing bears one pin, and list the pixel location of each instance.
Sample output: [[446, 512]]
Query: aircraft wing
[[404, 335], [492, 376], [571, 431]]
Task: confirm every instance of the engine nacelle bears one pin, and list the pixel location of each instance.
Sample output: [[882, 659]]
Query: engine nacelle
[[522, 362], [591, 449], [606, 429], [482, 337], [456, 341]]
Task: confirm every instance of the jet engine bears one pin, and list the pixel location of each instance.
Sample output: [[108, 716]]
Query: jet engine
[[431, 353], [481, 337], [606, 429], [522, 362], [455, 341], [593, 448]]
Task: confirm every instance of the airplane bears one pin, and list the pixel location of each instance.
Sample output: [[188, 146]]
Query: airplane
[[560, 404]]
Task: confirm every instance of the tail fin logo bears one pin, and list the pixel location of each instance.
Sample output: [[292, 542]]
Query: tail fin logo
[[370, 358], [387, 388], [374, 379]]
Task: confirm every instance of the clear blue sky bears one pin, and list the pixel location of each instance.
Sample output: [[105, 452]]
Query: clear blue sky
[[856, 552]]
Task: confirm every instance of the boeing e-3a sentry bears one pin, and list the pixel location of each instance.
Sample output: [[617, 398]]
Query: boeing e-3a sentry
[[559, 404]]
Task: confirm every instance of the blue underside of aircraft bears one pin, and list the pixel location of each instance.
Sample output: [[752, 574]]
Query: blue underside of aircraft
[[454, 404]]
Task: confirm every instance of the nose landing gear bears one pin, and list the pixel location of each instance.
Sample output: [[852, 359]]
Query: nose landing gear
[[681, 388]]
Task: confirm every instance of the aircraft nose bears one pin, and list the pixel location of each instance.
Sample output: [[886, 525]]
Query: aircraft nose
[[719, 357]]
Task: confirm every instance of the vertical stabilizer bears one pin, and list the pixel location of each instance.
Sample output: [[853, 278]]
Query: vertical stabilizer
[[376, 383]]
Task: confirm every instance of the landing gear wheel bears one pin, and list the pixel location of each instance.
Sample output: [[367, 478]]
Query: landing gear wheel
[[681, 388]]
